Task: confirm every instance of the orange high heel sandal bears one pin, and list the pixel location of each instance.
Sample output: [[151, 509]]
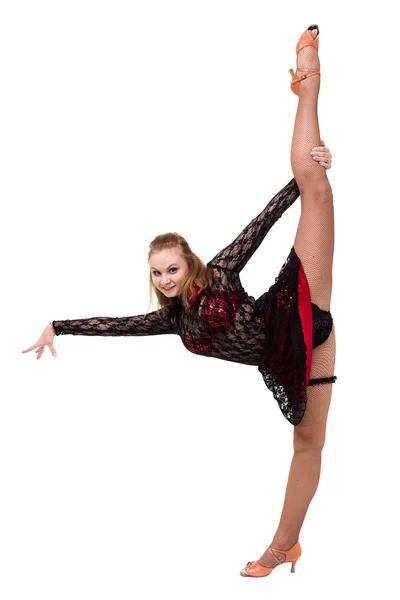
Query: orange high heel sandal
[[305, 40], [254, 569]]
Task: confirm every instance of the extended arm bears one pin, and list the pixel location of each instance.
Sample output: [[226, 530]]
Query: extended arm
[[237, 254], [150, 324]]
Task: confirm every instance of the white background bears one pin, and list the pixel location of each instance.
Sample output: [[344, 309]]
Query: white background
[[130, 468]]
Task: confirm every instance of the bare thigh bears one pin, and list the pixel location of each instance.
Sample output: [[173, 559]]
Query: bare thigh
[[314, 242], [314, 245], [311, 430]]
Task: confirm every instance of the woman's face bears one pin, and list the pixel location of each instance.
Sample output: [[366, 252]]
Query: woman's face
[[169, 271]]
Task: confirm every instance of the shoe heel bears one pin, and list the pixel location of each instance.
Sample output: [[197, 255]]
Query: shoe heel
[[292, 570], [291, 72]]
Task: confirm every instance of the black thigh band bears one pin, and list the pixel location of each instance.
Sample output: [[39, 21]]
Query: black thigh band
[[322, 380]]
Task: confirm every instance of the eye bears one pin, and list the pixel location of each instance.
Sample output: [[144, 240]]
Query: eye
[[156, 273], [173, 269]]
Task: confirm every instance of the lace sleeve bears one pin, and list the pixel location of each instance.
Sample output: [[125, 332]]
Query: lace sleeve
[[238, 253], [150, 324]]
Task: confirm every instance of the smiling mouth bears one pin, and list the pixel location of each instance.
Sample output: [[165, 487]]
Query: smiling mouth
[[168, 289]]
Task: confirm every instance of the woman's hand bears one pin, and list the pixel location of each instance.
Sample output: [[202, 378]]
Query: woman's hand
[[322, 155], [46, 339]]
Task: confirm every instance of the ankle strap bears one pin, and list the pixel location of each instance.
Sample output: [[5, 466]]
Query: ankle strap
[[272, 550], [307, 71]]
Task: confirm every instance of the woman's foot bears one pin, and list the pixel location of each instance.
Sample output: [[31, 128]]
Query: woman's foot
[[308, 58], [308, 65], [267, 560], [272, 557]]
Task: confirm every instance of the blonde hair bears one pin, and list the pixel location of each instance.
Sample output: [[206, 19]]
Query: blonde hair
[[198, 272]]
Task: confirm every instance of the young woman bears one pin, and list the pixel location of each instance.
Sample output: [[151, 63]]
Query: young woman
[[287, 333]]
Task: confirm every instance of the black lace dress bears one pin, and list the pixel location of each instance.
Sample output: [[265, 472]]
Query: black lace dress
[[276, 332]]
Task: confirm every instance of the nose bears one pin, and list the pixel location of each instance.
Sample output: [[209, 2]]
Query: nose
[[165, 280]]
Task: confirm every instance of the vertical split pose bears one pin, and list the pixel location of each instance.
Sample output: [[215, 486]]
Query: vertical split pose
[[287, 333]]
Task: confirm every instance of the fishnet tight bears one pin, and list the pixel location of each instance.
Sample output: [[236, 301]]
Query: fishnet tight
[[313, 244]]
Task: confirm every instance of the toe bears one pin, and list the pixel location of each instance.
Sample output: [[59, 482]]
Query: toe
[[314, 31], [245, 571]]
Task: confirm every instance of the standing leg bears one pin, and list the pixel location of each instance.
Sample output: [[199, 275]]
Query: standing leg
[[314, 246]]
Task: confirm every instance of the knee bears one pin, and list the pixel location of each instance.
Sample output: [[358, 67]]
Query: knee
[[319, 191], [307, 439]]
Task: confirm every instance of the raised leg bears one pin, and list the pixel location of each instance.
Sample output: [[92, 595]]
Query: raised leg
[[314, 244]]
